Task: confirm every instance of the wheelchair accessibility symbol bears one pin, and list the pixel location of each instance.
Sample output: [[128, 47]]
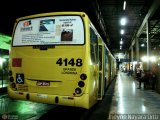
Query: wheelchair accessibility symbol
[[20, 78]]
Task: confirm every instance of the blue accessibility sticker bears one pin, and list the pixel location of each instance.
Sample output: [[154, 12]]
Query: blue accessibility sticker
[[19, 78]]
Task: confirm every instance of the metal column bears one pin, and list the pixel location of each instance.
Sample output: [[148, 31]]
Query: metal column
[[148, 43], [137, 49]]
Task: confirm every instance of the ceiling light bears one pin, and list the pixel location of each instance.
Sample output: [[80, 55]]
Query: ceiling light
[[123, 21], [121, 42], [124, 5], [122, 31], [142, 45]]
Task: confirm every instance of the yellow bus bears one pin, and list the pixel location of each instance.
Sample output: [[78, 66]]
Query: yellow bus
[[58, 58]]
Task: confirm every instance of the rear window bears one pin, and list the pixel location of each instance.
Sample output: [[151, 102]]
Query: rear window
[[49, 30]]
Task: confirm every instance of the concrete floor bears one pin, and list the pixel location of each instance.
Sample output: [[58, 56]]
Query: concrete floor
[[128, 100]]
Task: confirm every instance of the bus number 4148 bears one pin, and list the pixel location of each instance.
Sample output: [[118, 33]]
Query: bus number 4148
[[72, 62]]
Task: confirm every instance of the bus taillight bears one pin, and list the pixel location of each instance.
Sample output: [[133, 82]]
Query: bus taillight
[[16, 62], [13, 85], [83, 76], [78, 91], [11, 79]]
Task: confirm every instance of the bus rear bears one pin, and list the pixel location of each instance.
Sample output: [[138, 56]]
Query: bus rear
[[47, 59]]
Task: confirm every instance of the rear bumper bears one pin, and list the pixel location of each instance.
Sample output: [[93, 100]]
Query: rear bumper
[[82, 101]]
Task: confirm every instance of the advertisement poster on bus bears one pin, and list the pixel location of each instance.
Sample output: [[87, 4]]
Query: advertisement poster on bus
[[49, 31]]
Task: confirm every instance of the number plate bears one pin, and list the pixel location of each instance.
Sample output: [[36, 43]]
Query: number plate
[[43, 83]]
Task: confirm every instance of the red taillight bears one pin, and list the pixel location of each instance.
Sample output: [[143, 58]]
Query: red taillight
[[16, 62]]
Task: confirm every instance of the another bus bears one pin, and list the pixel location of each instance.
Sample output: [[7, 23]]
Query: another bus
[[59, 58]]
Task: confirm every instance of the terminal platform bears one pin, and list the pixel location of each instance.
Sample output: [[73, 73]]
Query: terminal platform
[[128, 99], [125, 101]]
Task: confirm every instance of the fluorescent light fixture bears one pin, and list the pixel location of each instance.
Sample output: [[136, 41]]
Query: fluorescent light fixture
[[124, 5], [123, 21], [4, 41], [122, 31]]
